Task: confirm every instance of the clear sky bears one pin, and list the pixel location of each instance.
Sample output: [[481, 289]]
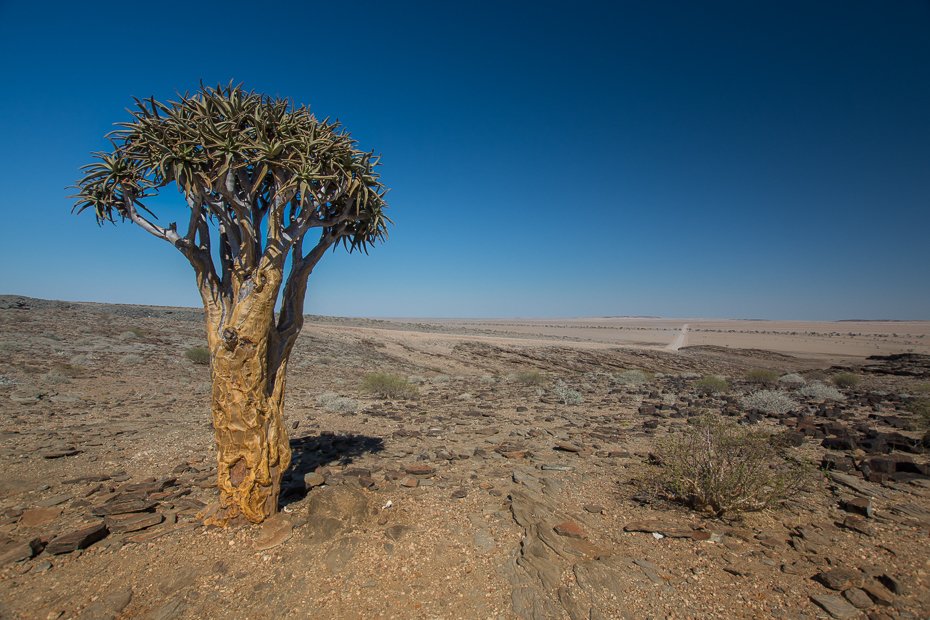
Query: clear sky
[[676, 159]]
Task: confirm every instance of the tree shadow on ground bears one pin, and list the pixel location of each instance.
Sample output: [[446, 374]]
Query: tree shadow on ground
[[329, 449]]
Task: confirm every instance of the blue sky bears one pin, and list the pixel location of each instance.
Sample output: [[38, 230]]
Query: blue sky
[[676, 159]]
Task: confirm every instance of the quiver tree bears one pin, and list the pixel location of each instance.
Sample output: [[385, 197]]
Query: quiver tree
[[258, 174]]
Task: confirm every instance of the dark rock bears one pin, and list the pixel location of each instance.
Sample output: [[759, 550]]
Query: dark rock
[[134, 523], [859, 505], [835, 606], [419, 470], [879, 593], [78, 539], [123, 506], [19, 551], [841, 578], [858, 598]]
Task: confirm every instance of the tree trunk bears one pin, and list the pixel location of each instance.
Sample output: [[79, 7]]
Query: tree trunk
[[253, 450]]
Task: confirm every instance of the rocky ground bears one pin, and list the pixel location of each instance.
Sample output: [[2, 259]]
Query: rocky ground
[[480, 497]]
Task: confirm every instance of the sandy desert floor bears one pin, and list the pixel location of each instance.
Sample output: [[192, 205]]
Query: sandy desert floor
[[482, 496]]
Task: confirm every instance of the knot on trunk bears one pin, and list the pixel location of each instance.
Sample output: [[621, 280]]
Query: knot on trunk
[[230, 338]]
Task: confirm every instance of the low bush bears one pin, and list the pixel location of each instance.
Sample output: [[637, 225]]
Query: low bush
[[845, 380], [792, 379], [387, 385], [762, 375], [722, 468], [198, 355], [920, 407], [632, 377], [711, 385], [821, 391], [333, 403], [531, 377], [769, 401], [567, 395], [816, 375]]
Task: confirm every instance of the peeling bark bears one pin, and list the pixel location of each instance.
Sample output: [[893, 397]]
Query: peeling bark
[[253, 450]]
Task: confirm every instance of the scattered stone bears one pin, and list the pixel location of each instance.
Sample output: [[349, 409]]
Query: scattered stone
[[39, 517], [410, 482], [860, 505], [567, 447], [879, 593], [313, 479], [77, 539], [19, 551], [858, 598], [569, 529], [594, 508], [419, 470], [123, 506], [55, 500], [134, 523], [557, 468], [835, 606], [841, 578], [459, 493]]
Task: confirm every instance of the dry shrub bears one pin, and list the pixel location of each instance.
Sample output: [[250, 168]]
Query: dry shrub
[[845, 380], [567, 395], [333, 403], [711, 385], [722, 468], [531, 377], [198, 355], [769, 401], [387, 385], [762, 375]]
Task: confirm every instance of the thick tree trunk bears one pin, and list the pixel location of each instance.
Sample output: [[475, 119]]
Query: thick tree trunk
[[253, 450]]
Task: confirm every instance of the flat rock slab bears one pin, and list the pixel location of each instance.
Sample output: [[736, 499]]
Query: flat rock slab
[[419, 470], [19, 551], [671, 530], [39, 516], [134, 523], [57, 454], [569, 529], [77, 539], [835, 606], [276, 530], [121, 507]]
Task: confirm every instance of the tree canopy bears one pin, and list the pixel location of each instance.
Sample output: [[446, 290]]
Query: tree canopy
[[246, 163]]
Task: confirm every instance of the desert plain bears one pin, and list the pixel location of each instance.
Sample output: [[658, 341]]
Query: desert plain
[[484, 494]]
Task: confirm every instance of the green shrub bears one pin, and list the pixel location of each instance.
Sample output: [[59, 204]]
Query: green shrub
[[845, 380], [567, 395], [711, 385], [387, 385], [198, 355], [720, 467], [762, 375], [531, 377]]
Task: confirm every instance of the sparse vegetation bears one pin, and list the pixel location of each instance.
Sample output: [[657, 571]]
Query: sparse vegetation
[[711, 385], [333, 403], [567, 395], [762, 375], [198, 355], [719, 467], [6, 381], [531, 377], [816, 375], [387, 385], [920, 407], [821, 391], [769, 401], [845, 380], [632, 377], [792, 380]]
